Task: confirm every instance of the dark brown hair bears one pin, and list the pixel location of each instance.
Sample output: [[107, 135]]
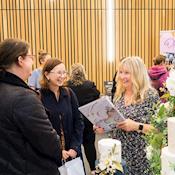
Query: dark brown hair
[[10, 50], [49, 65]]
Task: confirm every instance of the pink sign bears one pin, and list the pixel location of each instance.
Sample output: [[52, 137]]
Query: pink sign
[[167, 42]]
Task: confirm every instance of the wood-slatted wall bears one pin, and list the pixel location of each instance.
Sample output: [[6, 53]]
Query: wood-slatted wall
[[75, 30]]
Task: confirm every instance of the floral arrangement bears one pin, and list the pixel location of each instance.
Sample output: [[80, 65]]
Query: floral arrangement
[[109, 166], [157, 138]]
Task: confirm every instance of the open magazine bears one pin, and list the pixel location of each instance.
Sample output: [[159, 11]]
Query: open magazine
[[102, 113]]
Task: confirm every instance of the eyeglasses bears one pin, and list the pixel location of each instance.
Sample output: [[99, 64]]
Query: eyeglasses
[[59, 73], [31, 56]]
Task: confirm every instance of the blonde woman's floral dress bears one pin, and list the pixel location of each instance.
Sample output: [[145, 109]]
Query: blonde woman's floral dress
[[133, 143]]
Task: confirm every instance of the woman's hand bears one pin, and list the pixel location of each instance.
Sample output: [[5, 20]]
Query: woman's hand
[[98, 129], [72, 153], [65, 154], [128, 125]]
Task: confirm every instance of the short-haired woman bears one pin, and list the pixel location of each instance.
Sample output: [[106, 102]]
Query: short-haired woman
[[34, 79], [158, 73]]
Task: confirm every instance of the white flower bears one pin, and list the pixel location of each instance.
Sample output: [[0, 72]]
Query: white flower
[[102, 166], [149, 150], [170, 83], [109, 164]]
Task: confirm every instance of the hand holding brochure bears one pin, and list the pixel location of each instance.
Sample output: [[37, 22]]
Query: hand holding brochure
[[102, 113]]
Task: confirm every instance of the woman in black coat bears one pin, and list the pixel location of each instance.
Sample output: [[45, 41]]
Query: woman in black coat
[[86, 92], [62, 106], [28, 142]]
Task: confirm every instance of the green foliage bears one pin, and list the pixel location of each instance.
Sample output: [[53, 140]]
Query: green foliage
[[173, 166], [155, 162], [157, 137]]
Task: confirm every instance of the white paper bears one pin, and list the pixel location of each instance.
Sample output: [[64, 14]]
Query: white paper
[[102, 113]]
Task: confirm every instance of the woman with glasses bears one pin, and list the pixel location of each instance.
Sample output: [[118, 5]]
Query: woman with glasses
[[34, 79], [28, 142], [62, 107]]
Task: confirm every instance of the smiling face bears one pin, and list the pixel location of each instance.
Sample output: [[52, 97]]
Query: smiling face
[[57, 75], [125, 78]]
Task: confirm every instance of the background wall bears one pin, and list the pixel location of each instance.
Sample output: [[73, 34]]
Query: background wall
[[75, 30]]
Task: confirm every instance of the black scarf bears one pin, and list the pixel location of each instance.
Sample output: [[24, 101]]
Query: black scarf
[[9, 78]]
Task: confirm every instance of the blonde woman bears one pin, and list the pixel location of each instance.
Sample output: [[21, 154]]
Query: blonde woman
[[86, 92], [134, 99]]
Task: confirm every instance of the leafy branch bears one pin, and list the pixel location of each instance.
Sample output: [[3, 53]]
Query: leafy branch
[[157, 137]]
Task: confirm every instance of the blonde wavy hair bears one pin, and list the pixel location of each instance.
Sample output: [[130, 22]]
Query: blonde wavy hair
[[78, 74], [139, 76]]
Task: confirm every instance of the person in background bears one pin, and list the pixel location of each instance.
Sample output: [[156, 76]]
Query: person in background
[[167, 64], [86, 92], [135, 99], [62, 106], [158, 73], [173, 65], [28, 142], [34, 79]]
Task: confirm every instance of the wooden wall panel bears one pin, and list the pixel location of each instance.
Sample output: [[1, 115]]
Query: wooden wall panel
[[76, 31]]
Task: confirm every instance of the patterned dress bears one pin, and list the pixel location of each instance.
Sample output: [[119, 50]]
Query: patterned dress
[[133, 143]]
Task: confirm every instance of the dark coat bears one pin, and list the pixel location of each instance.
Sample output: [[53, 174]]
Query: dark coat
[[67, 108], [86, 92], [28, 143]]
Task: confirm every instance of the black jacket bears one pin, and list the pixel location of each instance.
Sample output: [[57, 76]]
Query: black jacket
[[85, 92], [28, 143], [71, 121]]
